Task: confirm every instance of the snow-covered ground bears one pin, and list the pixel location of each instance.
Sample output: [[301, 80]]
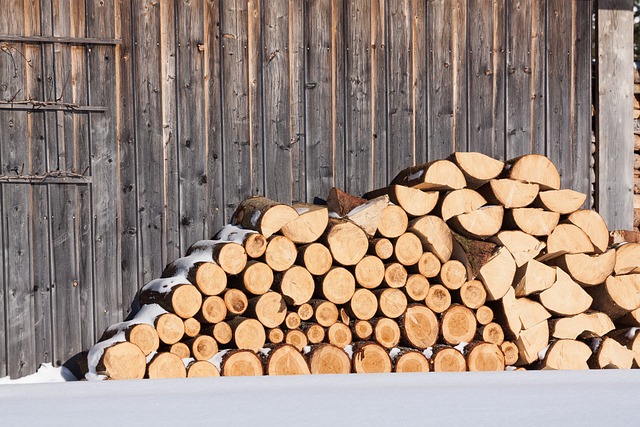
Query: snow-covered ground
[[562, 398]]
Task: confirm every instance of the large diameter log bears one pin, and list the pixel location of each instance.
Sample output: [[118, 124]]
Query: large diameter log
[[328, 359], [170, 328], [263, 215], [296, 285], [248, 334], [315, 257], [593, 225], [208, 277], [214, 310], [363, 304], [347, 242], [531, 341], [448, 359], [370, 358], [143, 335], [534, 168], [509, 193], [341, 202], [369, 272], [202, 369], [281, 253], [524, 247], [391, 302], [627, 259], [562, 201], [296, 338], [172, 294], [256, 278], [458, 325], [567, 239], [585, 325], [270, 309], [566, 354], [533, 221], [369, 215], [285, 359], [419, 327], [203, 347], [393, 222], [610, 354], [122, 361], [395, 275], [437, 175], [386, 332], [477, 168], [407, 249], [338, 285], [339, 335], [417, 287], [484, 356], [438, 298], [415, 202], [565, 297], [166, 365], [459, 202], [617, 296], [241, 363], [533, 277], [497, 274], [435, 235], [472, 294], [230, 256], [589, 270], [409, 360], [429, 265], [310, 224]]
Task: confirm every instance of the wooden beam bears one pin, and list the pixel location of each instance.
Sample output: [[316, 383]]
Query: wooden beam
[[614, 152], [63, 40]]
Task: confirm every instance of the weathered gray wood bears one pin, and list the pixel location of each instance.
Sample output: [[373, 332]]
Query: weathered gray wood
[[338, 26], [381, 174], [297, 49], [460, 80], [419, 79], [538, 137]]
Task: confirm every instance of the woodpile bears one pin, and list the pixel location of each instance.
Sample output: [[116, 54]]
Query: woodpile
[[467, 263]]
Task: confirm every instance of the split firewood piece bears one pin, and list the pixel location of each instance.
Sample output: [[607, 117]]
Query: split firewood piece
[[369, 272], [565, 297], [510, 351], [347, 242], [391, 302], [201, 369], [230, 256], [292, 320], [203, 347], [459, 202], [586, 325], [248, 334], [241, 363], [213, 310], [589, 270], [141, 334], [566, 354], [419, 327], [328, 359], [434, 234], [567, 239], [562, 201], [617, 296], [263, 215], [395, 275], [341, 202], [370, 358], [409, 360], [222, 333], [236, 301], [363, 304], [417, 287], [509, 193], [484, 315], [482, 223], [296, 338], [438, 298], [166, 365], [325, 313], [533, 221], [629, 338], [122, 361], [524, 247], [448, 359], [627, 259], [369, 215], [275, 336], [497, 274], [170, 328], [309, 225], [315, 257], [296, 285], [453, 274], [533, 277], [305, 311], [337, 286], [386, 332], [174, 294], [477, 168], [381, 247], [208, 277], [339, 335], [269, 309], [362, 330], [429, 265], [458, 325], [254, 243], [437, 175], [610, 354], [192, 327], [492, 333], [531, 312], [281, 253], [256, 278], [472, 294], [484, 356], [531, 341], [407, 249], [506, 311], [415, 202], [285, 359], [472, 253], [593, 225], [393, 222], [534, 168]]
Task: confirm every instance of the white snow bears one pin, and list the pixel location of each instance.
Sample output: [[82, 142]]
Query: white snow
[[631, 333], [255, 217], [460, 347], [542, 353], [332, 214], [96, 353], [428, 352], [349, 350], [233, 233], [302, 210], [415, 175], [184, 264], [165, 284], [394, 352], [46, 374], [217, 359]]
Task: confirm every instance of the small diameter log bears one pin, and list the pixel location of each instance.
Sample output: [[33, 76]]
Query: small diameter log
[[627, 259], [533, 221], [248, 334], [337, 286], [415, 202], [523, 247], [395, 275], [314, 332], [453, 274], [183, 299], [202, 369], [473, 254], [230, 256], [586, 325], [369, 272], [477, 168], [393, 222], [122, 361], [460, 202], [325, 313], [407, 249], [263, 215], [315, 257], [305, 311], [484, 356], [509, 193], [143, 335], [381, 247], [292, 320], [362, 330], [567, 239], [296, 285], [593, 225], [386, 332], [562, 201], [498, 273], [566, 297], [429, 265], [342, 202], [435, 235], [296, 338], [417, 287], [328, 359], [479, 224], [222, 333], [370, 358], [281, 253], [191, 327], [285, 359], [534, 168], [472, 294], [419, 327], [484, 315], [610, 354], [391, 302], [458, 325], [254, 245], [275, 336], [310, 224], [208, 277], [170, 328], [438, 298], [531, 341], [256, 278], [369, 215], [566, 354], [236, 301], [166, 365], [448, 359], [213, 310], [589, 270], [408, 360], [202, 347], [510, 351], [339, 335], [530, 312], [363, 304], [437, 175], [533, 277], [270, 309], [617, 296], [491, 333], [347, 242], [241, 363]]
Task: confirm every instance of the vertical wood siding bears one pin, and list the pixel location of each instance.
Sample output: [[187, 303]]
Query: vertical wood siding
[[210, 101]]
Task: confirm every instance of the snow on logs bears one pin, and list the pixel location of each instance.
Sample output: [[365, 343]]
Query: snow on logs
[[468, 263]]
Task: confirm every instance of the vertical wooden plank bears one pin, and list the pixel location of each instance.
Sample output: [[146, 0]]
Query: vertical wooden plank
[[538, 77], [614, 197], [297, 46], [419, 78], [499, 77], [338, 94], [379, 94], [460, 71], [277, 94], [255, 69]]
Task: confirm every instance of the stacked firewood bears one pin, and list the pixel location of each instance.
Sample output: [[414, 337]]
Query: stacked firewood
[[462, 264]]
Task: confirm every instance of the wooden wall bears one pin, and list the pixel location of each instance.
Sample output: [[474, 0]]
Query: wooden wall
[[182, 108]]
